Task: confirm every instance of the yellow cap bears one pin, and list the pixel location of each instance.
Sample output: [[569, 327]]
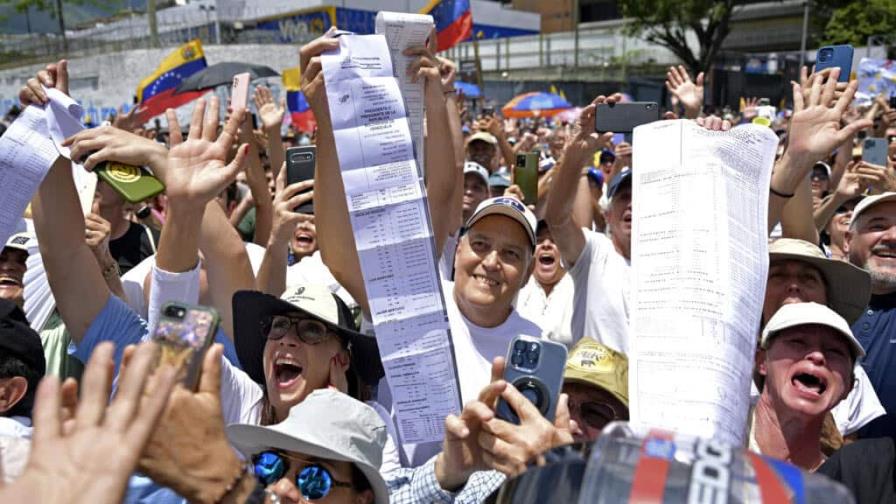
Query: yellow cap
[[762, 121], [594, 364]]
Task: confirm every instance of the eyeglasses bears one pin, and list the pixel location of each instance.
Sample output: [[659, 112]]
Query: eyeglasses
[[314, 481], [309, 331]]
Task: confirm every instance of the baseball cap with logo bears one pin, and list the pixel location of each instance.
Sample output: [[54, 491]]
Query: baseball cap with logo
[[22, 241], [508, 207], [252, 309], [592, 363], [848, 287], [621, 179], [476, 169], [800, 314], [328, 425]]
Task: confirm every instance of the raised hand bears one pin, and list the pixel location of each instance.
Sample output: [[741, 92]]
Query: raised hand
[[815, 129], [97, 231], [196, 167], [426, 66], [54, 75], [107, 143], [130, 121], [286, 199], [688, 92], [312, 75], [88, 455], [271, 114], [585, 140], [751, 108]]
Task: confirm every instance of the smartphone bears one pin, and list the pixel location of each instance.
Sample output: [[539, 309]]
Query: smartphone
[[300, 163], [525, 175], [239, 92], [133, 183], [893, 101], [488, 111], [535, 367], [835, 56], [625, 117], [184, 333], [874, 151]]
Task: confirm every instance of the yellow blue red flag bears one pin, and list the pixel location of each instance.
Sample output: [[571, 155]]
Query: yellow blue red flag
[[155, 93]]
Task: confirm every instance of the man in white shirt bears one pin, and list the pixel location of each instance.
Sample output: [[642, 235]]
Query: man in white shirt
[[547, 298], [599, 265], [476, 190]]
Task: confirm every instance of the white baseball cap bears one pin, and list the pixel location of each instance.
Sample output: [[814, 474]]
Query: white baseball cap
[[329, 425], [508, 207], [870, 201], [22, 241], [474, 167], [799, 314]]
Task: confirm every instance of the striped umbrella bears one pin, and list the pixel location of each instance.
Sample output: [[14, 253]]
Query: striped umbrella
[[535, 105]]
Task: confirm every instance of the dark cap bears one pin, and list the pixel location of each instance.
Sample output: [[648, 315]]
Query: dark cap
[[19, 339], [622, 179]]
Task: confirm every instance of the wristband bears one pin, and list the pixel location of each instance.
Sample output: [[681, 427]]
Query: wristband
[[779, 194]]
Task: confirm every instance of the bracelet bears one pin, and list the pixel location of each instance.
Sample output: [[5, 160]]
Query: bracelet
[[111, 271], [779, 194], [451, 90]]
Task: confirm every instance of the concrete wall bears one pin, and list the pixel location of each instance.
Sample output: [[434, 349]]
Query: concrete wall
[[103, 83]]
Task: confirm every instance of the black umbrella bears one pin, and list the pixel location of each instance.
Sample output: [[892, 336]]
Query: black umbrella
[[220, 74]]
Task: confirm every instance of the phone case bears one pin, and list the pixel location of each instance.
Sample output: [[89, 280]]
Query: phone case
[[835, 56], [239, 96], [525, 175], [184, 333], [133, 183], [874, 151], [300, 163], [625, 117], [539, 382]]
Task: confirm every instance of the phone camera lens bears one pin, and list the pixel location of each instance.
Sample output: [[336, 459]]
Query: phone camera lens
[[517, 359], [520, 345]]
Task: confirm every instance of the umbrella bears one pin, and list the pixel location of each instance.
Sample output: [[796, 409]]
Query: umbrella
[[220, 74], [469, 90], [535, 105]]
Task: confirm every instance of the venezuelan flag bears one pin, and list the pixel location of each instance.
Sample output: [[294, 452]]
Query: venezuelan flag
[[156, 92], [453, 19], [299, 111]]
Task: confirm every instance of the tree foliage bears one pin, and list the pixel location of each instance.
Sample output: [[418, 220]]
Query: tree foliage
[[854, 22], [667, 23]]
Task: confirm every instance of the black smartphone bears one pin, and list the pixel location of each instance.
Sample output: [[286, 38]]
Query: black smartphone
[[300, 163], [625, 117], [184, 333], [488, 111], [525, 175], [535, 367], [893, 101], [254, 121], [835, 56]]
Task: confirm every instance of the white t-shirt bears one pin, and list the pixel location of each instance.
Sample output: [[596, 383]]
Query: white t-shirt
[[474, 349], [553, 312], [312, 270], [601, 293]]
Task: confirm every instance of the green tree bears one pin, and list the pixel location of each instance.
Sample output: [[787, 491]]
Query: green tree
[[667, 23], [854, 22]]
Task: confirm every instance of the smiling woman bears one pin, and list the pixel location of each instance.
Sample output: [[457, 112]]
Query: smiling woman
[[807, 355]]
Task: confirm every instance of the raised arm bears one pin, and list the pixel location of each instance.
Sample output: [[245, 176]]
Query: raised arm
[[454, 214], [814, 133], [271, 119], [559, 212]]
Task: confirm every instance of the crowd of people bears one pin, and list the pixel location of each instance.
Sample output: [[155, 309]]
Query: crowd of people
[[292, 404]]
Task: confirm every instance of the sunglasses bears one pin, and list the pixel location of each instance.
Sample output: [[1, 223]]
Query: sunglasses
[[597, 415], [314, 481], [309, 331]]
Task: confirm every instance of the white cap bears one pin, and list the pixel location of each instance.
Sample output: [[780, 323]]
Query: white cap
[[799, 314], [474, 167], [485, 136], [22, 241], [508, 207], [869, 201], [329, 425]]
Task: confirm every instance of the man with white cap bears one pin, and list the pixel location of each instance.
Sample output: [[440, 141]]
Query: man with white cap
[[482, 148], [807, 353], [13, 263], [476, 190], [871, 245]]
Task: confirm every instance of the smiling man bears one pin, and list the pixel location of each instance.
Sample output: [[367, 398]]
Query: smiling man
[[871, 245], [807, 355], [13, 260]]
